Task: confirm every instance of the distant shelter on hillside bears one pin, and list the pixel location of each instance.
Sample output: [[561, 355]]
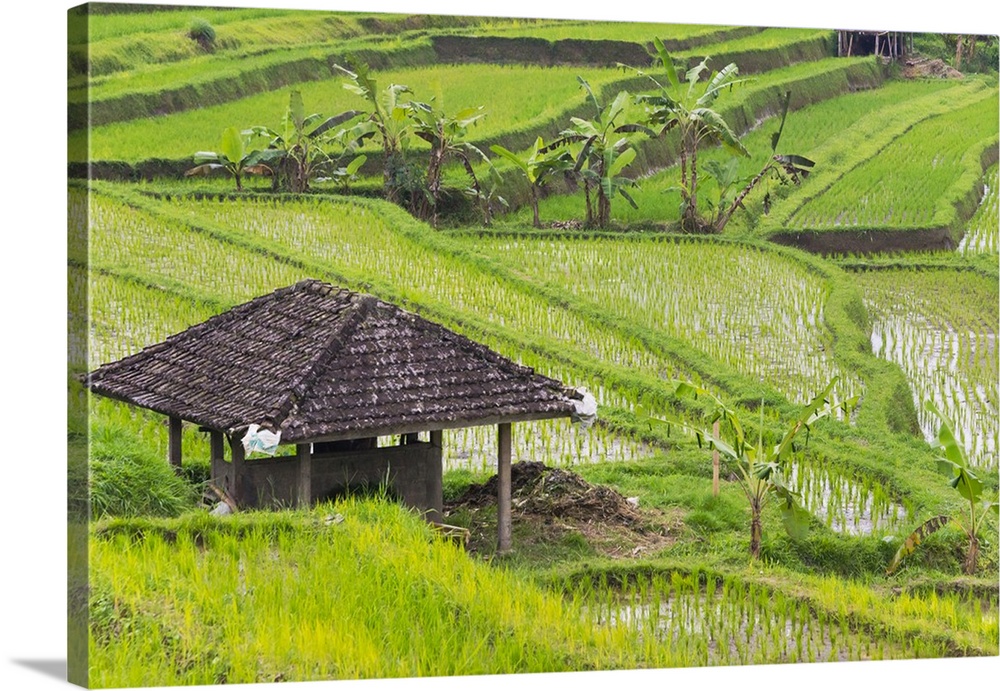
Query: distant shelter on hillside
[[330, 371], [886, 44]]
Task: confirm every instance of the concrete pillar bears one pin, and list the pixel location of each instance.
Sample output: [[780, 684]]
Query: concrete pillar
[[174, 443], [304, 453], [503, 487]]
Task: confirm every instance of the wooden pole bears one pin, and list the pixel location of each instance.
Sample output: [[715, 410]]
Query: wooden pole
[[503, 487], [304, 453], [238, 466], [715, 462], [220, 471], [174, 443], [435, 493]]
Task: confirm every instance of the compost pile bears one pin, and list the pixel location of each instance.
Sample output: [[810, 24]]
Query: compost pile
[[919, 67], [552, 492]]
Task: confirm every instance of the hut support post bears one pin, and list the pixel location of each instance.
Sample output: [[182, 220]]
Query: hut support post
[[503, 487], [304, 453], [220, 471], [174, 443], [434, 479], [237, 470]]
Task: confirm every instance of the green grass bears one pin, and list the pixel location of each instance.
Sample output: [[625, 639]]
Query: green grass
[[866, 140], [291, 597], [518, 98], [248, 598], [909, 181], [127, 478]]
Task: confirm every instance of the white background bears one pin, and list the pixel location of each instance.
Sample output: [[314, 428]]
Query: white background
[[32, 464]]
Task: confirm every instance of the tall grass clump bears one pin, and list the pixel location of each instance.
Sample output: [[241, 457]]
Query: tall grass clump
[[127, 478], [292, 596], [202, 31]]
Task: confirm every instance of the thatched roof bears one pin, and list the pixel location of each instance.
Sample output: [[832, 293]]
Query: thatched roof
[[317, 362]]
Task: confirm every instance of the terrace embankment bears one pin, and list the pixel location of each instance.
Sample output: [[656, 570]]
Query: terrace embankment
[[855, 241]]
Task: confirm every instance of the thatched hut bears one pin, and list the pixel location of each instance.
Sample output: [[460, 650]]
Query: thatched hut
[[331, 371]]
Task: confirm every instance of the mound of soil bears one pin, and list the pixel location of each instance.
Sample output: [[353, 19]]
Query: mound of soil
[[554, 493], [918, 67]]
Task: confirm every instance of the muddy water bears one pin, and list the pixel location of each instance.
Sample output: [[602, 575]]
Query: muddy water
[[747, 626], [937, 361], [845, 505]]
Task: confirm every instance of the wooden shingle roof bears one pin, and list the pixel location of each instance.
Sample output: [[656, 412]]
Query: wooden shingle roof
[[317, 362]]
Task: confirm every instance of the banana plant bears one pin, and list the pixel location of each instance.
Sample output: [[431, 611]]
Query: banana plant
[[387, 121], [760, 469], [785, 167], [345, 175], [684, 102], [235, 156], [446, 135], [954, 465], [603, 153], [537, 167], [300, 144]]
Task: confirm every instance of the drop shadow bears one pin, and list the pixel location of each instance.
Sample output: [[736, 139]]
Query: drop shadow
[[50, 668]]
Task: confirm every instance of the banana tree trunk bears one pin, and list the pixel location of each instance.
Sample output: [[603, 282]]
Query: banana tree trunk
[[755, 532], [536, 220], [693, 206], [603, 208], [738, 201], [971, 557]]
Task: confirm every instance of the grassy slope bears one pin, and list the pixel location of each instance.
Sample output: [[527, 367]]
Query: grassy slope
[[335, 593], [254, 567]]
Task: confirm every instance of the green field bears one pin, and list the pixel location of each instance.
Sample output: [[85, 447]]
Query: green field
[[362, 587]]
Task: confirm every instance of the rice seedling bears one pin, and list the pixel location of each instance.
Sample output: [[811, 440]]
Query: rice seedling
[[738, 622], [982, 229], [946, 346], [610, 31], [519, 98], [751, 316], [862, 144], [104, 26], [155, 251], [902, 185], [845, 503], [806, 129]]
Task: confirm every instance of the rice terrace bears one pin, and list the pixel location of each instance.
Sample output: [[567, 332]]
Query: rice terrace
[[425, 345]]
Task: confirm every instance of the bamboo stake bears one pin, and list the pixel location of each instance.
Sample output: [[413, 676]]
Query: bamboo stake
[[715, 462]]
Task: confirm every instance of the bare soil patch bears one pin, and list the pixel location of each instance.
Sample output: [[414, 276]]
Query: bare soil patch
[[553, 502]]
